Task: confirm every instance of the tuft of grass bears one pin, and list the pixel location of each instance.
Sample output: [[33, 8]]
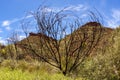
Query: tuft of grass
[[8, 74], [23, 70], [18, 74]]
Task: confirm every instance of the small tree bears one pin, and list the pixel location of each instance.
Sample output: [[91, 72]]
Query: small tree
[[56, 47], [12, 47]]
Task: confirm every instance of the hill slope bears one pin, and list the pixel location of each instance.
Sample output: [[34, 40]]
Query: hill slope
[[86, 29]]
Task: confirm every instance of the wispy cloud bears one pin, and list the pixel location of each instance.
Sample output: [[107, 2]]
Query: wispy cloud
[[18, 37], [72, 10], [8, 28], [116, 14], [2, 41], [79, 7], [114, 20], [7, 23], [21, 37]]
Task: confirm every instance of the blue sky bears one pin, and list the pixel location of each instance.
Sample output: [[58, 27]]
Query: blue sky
[[13, 11]]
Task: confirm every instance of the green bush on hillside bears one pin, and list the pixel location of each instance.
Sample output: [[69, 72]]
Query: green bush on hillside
[[104, 66]]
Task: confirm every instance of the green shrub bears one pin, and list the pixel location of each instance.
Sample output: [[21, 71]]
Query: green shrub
[[18, 74], [104, 66]]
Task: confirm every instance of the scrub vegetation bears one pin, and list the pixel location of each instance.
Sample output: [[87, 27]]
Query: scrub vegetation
[[62, 48]]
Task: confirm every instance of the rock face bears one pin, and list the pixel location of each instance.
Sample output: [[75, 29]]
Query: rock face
[[92, 24], [40, 35], [35, 34], [34, 38], [32, 34]]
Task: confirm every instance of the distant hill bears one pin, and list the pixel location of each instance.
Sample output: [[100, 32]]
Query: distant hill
[[34, 38], [106, 34], [105, 39]]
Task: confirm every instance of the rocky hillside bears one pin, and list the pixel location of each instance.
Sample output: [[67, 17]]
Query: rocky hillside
[[87, 30]]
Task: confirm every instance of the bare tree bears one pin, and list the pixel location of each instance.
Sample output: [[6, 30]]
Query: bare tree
[[56, 47], [12, 47]]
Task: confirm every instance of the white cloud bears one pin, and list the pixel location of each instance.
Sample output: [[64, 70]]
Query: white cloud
[[114, 20], [21, 37], [17, 38], [80, 7], [6, 23], [116, 15], [2, 41], [77, 7], [8, 28], [29, 16], [84, 15]]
